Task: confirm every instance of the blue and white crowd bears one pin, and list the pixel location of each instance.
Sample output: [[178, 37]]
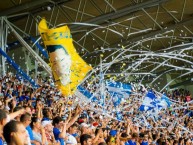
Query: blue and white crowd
[[42, 116]]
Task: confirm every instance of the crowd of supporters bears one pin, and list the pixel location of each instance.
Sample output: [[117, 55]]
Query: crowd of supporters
[[42, 116]]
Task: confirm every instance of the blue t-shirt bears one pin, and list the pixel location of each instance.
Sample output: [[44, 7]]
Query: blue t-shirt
[[131, 142], [27, 98], [126, 143], [56, 132], [144, 143], [49, 102], [21, 98], [28, 128], [15, 93], [8, 95], [45, 119], [1, 141], [33, 103], [75, 134]]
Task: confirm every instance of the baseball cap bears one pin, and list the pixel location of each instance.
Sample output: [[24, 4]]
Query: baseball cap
[[95, 124], [46, 122], [84, 125], [113, 132], [80, 121]]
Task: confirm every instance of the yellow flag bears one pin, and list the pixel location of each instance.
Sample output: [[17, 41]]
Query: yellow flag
[[68, 68]]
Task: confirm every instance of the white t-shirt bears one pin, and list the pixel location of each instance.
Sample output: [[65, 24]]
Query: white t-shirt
[[71, 139], [28, 138]]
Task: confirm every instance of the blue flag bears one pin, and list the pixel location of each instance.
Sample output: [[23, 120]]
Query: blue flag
[[152, 102]]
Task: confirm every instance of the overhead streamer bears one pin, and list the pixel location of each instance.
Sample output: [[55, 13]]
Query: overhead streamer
[[36, 43], [33, 53], [18, 69], [41, 49], [118, 87]]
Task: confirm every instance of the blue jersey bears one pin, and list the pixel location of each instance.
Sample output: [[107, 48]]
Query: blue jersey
[[144, 143], [126, 143], [132, 142], [57, 132], [28, 128], [1, 141]]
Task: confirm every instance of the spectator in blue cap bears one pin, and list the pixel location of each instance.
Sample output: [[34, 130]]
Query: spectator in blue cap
[[113, 133]]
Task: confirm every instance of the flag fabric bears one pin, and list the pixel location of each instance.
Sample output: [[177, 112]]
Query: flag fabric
[[116, 90], [148, 102], [163, 102], [116, 98], [119, 116], [68, 68], [151, 102], [86, 93], [118, 87]]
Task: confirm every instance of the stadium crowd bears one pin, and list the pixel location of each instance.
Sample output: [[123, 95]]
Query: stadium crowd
[[42, 116]]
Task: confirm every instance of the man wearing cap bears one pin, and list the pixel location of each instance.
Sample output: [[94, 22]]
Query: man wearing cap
[[47, 125], [85, 128], [112, 136]]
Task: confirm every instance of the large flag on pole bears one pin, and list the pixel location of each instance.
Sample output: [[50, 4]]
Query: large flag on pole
[[68, 68]]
